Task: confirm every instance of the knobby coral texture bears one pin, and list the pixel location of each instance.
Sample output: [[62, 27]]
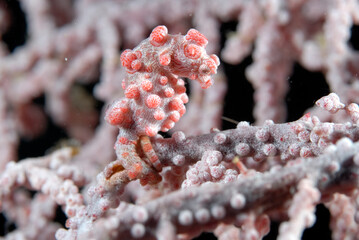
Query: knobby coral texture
[[179, 119]]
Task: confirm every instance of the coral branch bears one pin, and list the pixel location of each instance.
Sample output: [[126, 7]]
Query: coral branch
[[304, 137], [262, 193]]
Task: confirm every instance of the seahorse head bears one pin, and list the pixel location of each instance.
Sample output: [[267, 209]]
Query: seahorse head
[[200, 66], [185, 56]]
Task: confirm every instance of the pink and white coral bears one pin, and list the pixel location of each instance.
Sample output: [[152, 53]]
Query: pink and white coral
[[197, 178]]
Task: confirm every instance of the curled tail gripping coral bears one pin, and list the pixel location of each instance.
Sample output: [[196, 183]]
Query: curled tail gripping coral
[[155, 95]]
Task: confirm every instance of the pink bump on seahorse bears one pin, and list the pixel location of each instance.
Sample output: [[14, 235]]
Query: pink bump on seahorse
[[154, 93]]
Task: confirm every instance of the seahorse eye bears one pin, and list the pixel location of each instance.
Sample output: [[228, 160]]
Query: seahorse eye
[[204, 69]]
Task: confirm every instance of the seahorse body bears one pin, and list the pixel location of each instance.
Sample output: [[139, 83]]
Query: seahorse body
[[154, 93]]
